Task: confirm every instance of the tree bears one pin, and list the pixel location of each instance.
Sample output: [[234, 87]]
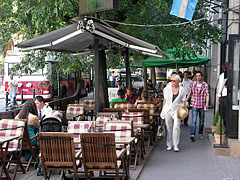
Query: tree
[[31, 18]]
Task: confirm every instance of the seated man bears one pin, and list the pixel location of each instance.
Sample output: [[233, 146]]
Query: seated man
[[120, 98], [144, 97], [130, 96], [44, 110]]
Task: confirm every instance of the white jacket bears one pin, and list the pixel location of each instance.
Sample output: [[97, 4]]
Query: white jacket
[[169, 105]]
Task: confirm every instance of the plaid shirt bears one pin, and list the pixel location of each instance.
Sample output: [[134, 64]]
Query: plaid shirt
[[199, 95]]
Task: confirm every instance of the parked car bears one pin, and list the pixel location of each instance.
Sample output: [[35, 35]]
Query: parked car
[[137, 80]]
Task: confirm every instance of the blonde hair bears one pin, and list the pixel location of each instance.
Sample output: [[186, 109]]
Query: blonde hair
[[175, 77]]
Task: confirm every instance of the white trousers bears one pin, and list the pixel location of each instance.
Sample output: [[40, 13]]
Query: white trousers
[[173, 129]]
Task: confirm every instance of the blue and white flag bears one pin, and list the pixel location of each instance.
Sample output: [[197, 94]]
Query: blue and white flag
[[184, 8]]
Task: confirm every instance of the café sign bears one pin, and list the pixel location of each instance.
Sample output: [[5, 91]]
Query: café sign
[[94, 6]]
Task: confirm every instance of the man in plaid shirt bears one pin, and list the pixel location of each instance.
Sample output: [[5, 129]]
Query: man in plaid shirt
[[200, 99]]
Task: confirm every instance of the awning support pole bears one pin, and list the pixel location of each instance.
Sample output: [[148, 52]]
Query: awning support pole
[[96, 77]]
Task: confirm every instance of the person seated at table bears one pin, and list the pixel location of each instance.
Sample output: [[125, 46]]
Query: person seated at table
[[29, 112], [44, 110], [130, 96], [120, 98], [144, 98]]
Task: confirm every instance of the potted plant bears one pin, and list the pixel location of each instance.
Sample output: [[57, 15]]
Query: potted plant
[[215, 120], [220, 133]]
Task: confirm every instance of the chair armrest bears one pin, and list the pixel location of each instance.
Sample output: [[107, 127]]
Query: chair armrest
[[121, 153], [33, 137]]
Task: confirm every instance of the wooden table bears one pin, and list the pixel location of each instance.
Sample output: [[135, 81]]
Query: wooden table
[[125, 141], [3, 140]]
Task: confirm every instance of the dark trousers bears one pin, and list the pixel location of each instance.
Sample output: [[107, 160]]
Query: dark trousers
[[223, 108], [186, 119]]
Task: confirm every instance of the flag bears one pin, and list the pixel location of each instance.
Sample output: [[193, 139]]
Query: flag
[[184, 8]]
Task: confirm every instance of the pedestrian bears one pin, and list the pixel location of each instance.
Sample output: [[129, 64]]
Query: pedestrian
[[44, 110], [222, 92], [113, 79], [200, 98], [186, 83], [174, 96], [12, 89]]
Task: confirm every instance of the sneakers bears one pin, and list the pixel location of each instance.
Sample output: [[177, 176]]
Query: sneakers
[[201, 136], [169, 148], [176, 149], [192, 138]]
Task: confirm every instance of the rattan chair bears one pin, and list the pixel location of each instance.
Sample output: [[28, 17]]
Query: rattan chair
[[99, 154], [58, 153]]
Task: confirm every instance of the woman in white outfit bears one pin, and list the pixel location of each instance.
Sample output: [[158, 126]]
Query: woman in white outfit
[[174, 96]]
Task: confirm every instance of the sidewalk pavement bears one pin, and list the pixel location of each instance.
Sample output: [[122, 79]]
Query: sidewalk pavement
[[195, 161]]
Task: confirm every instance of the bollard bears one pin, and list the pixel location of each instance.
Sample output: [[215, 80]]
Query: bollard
[[6, 99], [21, 96], [33, 93]]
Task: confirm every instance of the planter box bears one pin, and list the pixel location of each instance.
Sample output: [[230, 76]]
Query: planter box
[[217, 138], [213, 129]]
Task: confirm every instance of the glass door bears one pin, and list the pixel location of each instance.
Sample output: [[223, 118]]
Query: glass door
[[233, 86]]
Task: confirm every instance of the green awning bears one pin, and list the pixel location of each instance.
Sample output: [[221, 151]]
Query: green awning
[[188, 61]]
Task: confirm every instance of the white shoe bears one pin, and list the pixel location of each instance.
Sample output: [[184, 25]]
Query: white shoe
[[176, 149], [169, 148]]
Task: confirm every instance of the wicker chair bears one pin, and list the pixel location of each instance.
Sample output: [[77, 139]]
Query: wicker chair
[[99, 154], [58, 153], [12, 127]]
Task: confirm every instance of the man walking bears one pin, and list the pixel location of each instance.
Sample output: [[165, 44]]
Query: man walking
[[13, 89], [186, 86], [200, 99]]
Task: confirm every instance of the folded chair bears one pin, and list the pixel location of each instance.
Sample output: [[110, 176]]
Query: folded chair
[[99, 154], [12, 127], [58, 153]]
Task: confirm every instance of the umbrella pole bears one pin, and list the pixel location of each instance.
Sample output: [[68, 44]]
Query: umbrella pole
[[97, 78]]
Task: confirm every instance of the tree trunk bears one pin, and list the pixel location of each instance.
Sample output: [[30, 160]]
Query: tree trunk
[[103, 98]]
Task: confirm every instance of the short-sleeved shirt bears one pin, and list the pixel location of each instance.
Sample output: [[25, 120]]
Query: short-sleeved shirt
[[117, 100], [13, 89], [132, 99], [199, 94]]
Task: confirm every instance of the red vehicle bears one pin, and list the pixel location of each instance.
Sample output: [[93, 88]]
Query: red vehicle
[[64, 87]]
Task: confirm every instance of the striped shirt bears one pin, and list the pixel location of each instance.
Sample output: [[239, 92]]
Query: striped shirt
[[199, 94]]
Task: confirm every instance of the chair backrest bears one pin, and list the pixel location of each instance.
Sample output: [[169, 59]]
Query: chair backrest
[[12, 127], [99, 123], [78, 127], [146, 105], [99, 151], [108, 114], [73, 111], [144, 111], [121, 129], [89, 103], [136, 117], [118, 110], [57, 149], [124, 105]]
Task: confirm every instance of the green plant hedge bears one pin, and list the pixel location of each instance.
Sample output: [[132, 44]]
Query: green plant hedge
[[218, 127], [216, 117]]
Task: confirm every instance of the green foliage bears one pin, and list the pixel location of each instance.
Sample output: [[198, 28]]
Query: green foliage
[[216, 118], [218, 129], [31, 18]]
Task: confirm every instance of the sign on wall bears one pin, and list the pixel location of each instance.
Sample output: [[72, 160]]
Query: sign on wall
[[93, 6]]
